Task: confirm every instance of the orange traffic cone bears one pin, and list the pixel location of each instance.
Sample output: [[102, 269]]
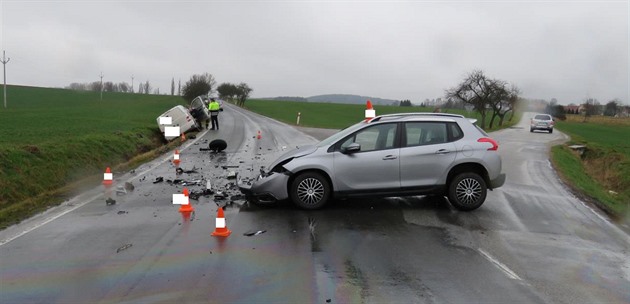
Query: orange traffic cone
[[221, 229], [183, 139], [259, 136], [188, 207], [369, 111], [108, 177], [176, 157]]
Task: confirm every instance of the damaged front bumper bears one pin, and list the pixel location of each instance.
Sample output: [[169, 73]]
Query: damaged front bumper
[[266, 189]]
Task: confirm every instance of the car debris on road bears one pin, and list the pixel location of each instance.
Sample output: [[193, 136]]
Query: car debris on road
[[252, 232], [123, 247]]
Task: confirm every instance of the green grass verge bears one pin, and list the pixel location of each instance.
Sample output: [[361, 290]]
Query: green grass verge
[[604, 167], [53, 139]]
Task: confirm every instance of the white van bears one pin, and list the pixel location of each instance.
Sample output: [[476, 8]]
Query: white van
[[180, 117]]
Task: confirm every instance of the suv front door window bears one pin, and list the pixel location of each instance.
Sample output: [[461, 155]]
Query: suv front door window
[[375, 165]]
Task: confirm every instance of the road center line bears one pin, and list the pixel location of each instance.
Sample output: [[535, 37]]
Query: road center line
[[511, 274]]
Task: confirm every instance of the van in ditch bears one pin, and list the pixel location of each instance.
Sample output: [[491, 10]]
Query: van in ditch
[[178, 116]]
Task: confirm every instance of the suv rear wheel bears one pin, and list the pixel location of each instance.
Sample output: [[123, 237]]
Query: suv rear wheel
[[467, 191], [310, 190]]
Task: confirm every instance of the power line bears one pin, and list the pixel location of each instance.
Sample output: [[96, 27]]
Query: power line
[[4, 65]]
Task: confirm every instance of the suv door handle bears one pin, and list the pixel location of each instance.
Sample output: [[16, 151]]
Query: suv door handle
[[443, 151], [390, 157]]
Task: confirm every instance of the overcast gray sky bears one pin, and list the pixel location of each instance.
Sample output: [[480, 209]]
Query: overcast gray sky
[[569, 50]]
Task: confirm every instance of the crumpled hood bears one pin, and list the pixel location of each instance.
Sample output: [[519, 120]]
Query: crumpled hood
[[295, 153]]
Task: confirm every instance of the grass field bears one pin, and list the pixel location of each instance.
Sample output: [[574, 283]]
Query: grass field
[[604, 167], [52, 137], [336, 116]]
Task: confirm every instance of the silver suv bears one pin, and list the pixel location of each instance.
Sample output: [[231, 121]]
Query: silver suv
[[542, 122], [389, 155]]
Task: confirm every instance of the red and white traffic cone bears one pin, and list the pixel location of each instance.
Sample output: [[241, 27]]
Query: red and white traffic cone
[[108, 177], [186, 207], [369, 111], [176, 157], [259, 136], [221, 227]]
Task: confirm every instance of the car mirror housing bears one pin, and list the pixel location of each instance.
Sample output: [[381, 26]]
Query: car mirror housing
[[352, 148]]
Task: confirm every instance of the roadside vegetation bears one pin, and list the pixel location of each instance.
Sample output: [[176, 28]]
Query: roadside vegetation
[[339, 116], [602, 171], [55, 141]]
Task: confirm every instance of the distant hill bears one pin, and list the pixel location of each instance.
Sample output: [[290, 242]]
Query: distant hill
[[341, 98]]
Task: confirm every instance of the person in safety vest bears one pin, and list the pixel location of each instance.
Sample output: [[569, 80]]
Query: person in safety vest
[[214, 108]]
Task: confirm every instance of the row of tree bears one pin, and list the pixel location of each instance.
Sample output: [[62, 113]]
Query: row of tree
[[197, 85], [204, 85], [590, 107], [237, 93], [122, 87]]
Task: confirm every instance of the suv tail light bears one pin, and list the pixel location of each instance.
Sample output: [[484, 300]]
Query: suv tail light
[[495, 146]]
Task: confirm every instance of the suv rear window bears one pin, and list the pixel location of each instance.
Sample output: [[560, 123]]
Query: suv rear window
[[542, 117]]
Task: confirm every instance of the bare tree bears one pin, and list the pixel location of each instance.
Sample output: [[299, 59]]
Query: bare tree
[[198, 85], [95, 86], [147, 87], [243, 93], [475, 90], [123, 87], [590, 108], [108, 86], [505, 103], [485, 94], [612, 107], [227, 91]]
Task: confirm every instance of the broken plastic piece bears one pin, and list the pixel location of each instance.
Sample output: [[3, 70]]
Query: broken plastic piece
[[110, 201], [124, 247], [251, 232], [120, 191], [158, 179]]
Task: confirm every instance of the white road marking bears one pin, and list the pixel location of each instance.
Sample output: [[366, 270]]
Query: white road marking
[[52, 218], [511, 274]]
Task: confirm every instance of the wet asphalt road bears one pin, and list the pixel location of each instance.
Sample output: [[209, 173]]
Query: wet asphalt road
[[531, 242]]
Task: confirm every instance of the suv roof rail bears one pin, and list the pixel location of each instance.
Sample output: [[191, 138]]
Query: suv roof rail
[[377, 118]]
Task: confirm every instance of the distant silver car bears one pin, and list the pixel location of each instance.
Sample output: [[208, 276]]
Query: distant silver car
[[542, 122], [389, 155]]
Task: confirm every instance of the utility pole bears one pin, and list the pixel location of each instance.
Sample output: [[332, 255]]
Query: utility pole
[[4, 65], [131, 83], [101, 86]]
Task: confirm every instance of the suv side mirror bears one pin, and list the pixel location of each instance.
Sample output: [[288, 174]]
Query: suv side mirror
[[352, 148]]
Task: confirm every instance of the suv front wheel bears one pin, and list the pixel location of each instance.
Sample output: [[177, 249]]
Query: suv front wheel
[[310, 190], [467, 191]]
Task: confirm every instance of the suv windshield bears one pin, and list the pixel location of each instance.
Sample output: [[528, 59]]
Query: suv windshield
[[333, 138]]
